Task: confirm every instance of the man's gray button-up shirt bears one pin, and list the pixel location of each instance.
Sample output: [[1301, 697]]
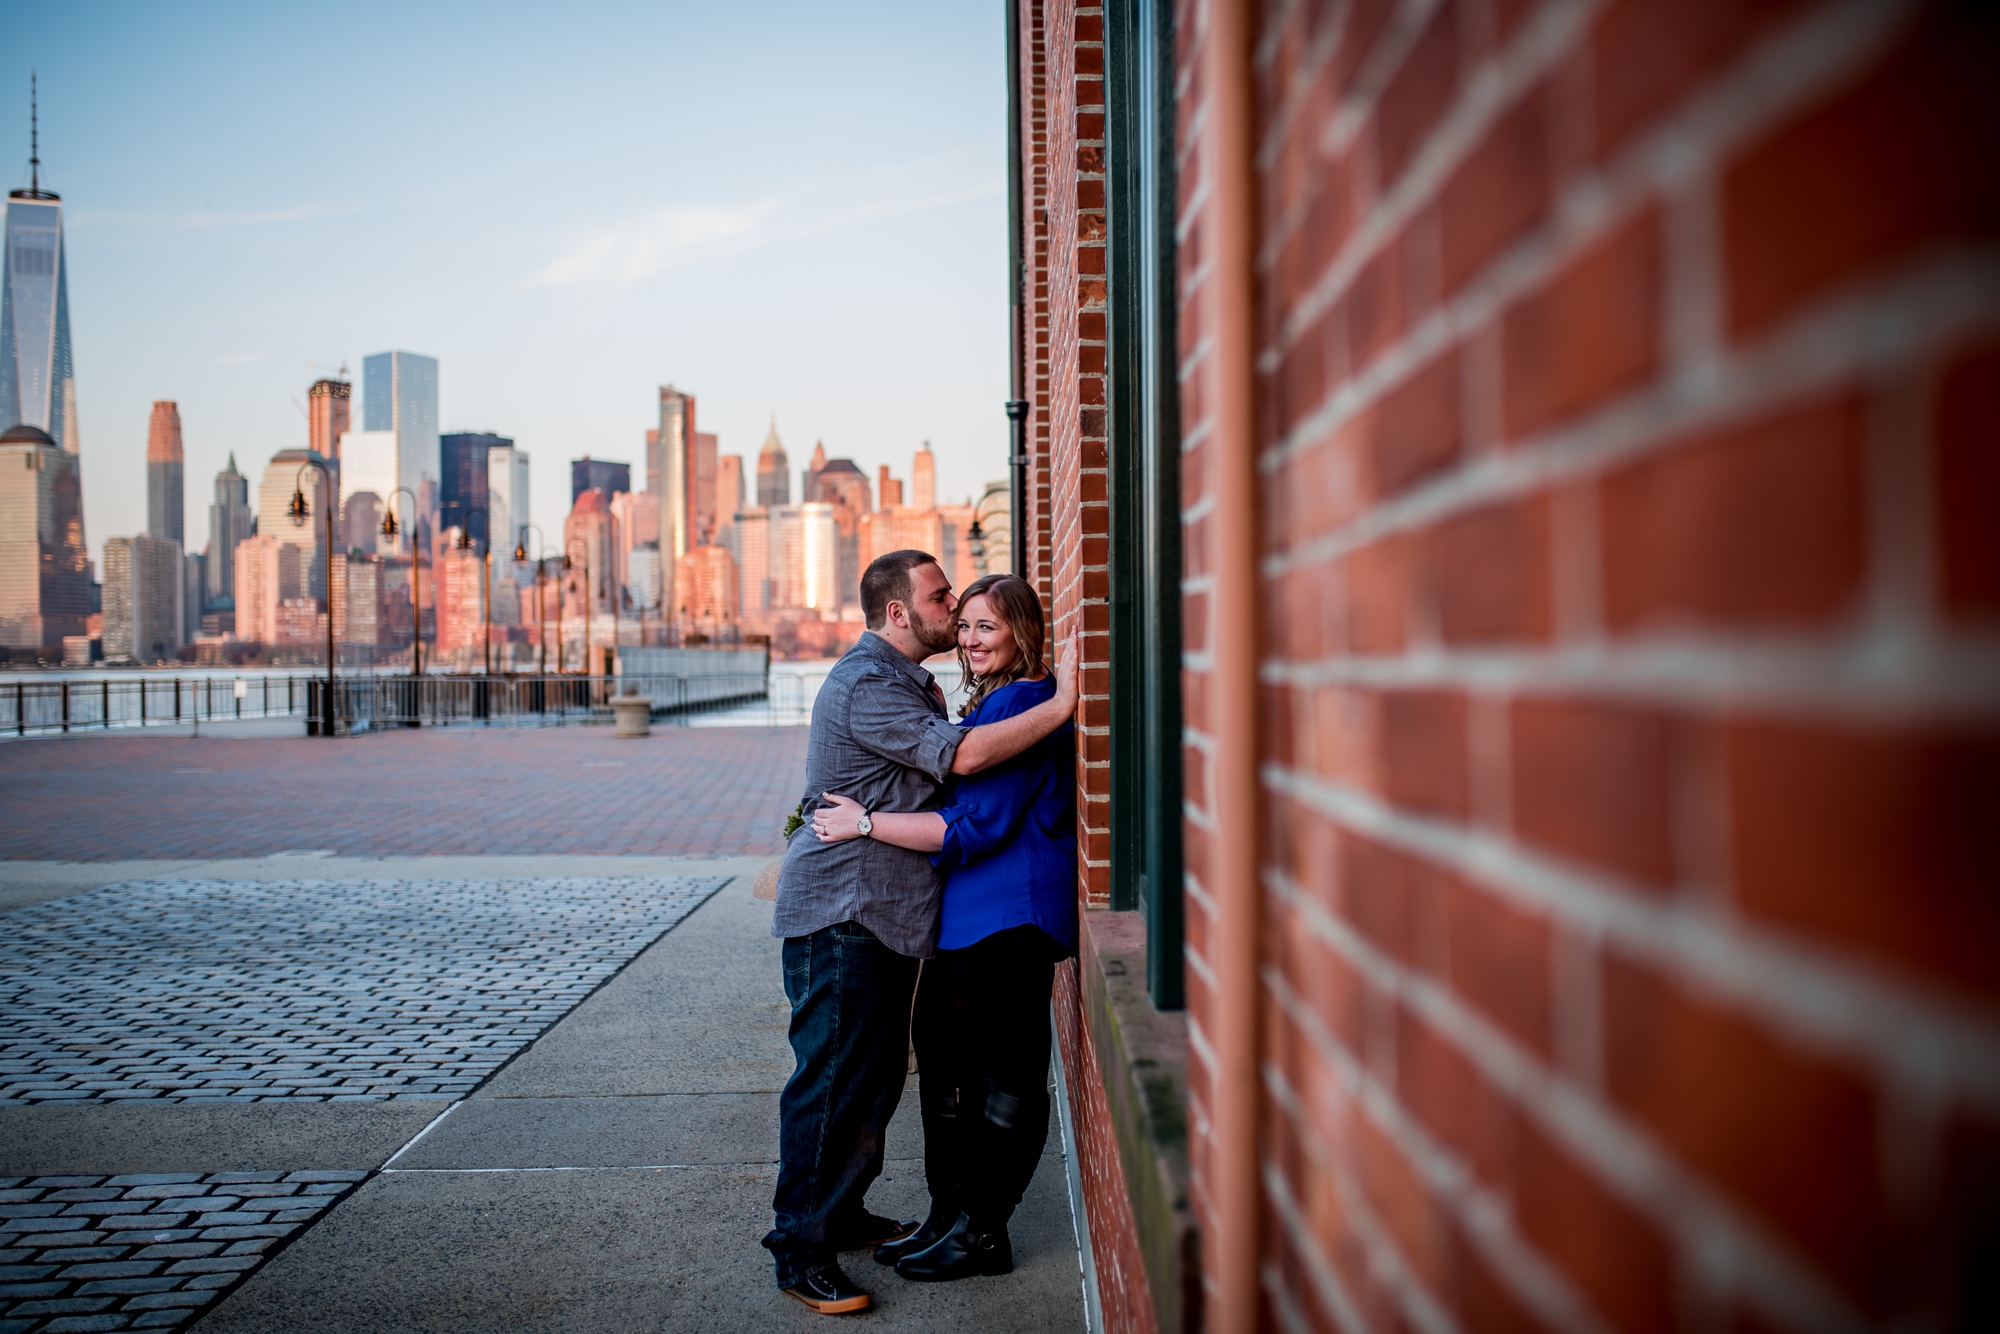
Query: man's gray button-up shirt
[[881, 736]]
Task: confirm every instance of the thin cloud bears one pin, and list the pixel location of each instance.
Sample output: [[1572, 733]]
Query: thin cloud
[[667, 239], [662, 240]]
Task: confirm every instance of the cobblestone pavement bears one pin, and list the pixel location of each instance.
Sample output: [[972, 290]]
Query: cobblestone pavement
[[178, 990], [150, 1251], [423, 792]]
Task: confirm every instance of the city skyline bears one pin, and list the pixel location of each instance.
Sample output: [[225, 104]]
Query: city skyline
[[766, 267]]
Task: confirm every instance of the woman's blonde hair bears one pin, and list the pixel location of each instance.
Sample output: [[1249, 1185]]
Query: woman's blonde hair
[[1016, 604]]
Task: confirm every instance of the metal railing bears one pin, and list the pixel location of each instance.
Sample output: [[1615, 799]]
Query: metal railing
[[30, 707], [373, 703]]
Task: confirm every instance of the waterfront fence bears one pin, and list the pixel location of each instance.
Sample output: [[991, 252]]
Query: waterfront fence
[[362, 703]]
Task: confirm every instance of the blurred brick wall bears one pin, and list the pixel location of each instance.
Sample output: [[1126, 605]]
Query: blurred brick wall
[[1629, 421]]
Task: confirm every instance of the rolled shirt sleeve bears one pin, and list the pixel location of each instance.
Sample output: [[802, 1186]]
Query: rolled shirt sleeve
[[987, 818], [894, 720]]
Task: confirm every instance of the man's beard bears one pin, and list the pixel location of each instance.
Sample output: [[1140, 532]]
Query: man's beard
[[937, 636]]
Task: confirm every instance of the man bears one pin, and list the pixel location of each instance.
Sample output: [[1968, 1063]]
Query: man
[[856, 916]]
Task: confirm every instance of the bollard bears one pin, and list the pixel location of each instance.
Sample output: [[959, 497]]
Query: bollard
[[634, 713]]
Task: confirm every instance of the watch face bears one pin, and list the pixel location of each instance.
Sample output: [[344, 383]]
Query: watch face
[[865, 825]]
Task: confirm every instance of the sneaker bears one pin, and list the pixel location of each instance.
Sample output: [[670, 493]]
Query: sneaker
[[828, 1291]]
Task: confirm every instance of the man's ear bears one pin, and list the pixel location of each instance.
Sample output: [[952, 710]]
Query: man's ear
[[898, 614]]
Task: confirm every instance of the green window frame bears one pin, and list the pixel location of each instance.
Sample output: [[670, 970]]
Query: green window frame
[[1144, 464]]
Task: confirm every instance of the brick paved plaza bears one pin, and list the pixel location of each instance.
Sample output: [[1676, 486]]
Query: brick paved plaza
[[459, 1030], [426, 792], [344, 989]]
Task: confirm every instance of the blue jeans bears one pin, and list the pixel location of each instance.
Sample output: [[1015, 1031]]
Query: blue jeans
[[850, 1037]]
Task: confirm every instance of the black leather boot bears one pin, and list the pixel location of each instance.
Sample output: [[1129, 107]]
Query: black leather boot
[[923, 1238], [960, 1253]]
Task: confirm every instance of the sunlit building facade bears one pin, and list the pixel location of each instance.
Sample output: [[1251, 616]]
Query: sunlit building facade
[[329, 408], [44, 568], [706, 586], [805, 558], [290, 471], [750, 543], [670, 471]]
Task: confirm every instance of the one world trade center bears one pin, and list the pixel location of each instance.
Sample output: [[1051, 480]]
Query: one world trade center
[[37, 385]]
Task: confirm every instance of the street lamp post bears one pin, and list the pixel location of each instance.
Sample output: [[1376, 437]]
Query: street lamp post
[[616, 592], [486, 589], [541, 602], [390, 529], [575, 541], [301, 514]]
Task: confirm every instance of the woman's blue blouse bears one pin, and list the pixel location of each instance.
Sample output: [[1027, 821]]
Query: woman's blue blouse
[[1009, 854]]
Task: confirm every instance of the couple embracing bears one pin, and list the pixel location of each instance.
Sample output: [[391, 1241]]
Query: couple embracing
[[926, 899]]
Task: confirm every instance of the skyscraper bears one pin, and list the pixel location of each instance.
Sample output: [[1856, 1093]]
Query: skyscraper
[[465, 493], [399, 396], [728, 486], [37, 382], [507, 495], [752, 548], [327, 409], [143, 613], [600, 475], [228, 523], [44, 568], [258, 564], [774, 481], [810, 473], [670, 473], [703, 490], [285, 474], [845, 487], [923, 480], [166, 510]]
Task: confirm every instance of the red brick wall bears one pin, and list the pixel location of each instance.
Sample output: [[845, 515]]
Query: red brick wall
[[1062, 106], [1631, 665], [1078, 515], [1123, 1295]]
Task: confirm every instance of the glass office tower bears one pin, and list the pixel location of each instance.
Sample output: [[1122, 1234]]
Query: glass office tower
[[37, 385], [399, 393]]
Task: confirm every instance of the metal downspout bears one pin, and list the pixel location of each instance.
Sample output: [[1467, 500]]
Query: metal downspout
[[1017, 403]]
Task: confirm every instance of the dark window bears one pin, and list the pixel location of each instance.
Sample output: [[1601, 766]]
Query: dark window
[[1144, 459]]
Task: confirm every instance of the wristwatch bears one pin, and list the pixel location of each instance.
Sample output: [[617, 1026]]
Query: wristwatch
[[865, 826]]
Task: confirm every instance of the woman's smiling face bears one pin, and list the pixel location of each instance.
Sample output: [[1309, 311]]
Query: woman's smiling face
[[988, 643]]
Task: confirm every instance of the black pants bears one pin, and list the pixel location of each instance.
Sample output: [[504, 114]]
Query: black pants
[[850, 1035], [982, 1033]]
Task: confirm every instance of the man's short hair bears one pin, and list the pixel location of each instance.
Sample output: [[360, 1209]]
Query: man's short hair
[[888, 580]]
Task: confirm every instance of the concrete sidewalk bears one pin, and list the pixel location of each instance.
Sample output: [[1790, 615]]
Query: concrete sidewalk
[[615, 1175]]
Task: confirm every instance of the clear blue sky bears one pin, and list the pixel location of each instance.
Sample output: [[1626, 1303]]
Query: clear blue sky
[[791, 208]]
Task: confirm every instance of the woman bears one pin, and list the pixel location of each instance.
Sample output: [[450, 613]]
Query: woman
[[1007, 845]]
